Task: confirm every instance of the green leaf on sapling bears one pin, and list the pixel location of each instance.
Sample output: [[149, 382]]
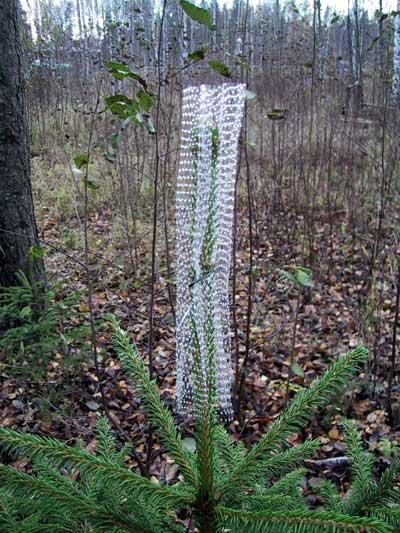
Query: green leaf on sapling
[[81, 160], [110, 156], [121, 106], [287, 275], [35, 252], [138, 118], [219, 67], [303, 277], [197, 55], [198, 14], [297, 370], [150, 126], [91, 185], [114, 140], [146, 101], [120, 71]]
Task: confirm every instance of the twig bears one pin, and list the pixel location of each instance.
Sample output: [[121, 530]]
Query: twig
[[95, 354], [394, 342], [46, 244], [330, 462], [292, 348], [241, 380], [154, 239], [61, 251]]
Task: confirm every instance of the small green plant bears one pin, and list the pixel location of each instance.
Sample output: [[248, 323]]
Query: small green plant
[[389, 449], [64, 206], [225, 487], [34, 318], [71, 239]]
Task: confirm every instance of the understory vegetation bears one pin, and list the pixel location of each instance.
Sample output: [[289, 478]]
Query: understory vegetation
[[90, 437], [225, 486]]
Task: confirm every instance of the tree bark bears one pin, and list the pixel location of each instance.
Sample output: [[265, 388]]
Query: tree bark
[[17, 222]]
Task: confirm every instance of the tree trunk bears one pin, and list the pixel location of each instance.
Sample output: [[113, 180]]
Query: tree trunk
[[396, 59], [17, 223]]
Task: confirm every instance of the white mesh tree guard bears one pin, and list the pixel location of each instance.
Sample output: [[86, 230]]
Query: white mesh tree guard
[[211, 122]]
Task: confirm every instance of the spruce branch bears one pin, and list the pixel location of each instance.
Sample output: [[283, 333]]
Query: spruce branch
[[329, 495], [294, 418], [106, 445], [160, 417], [289, 483], [101, 515], [229, 452], [271, 502], [366, 496], [389, 514], [283, 462], [363, 484], [205, 447], [58, 453], [386, 491], [297, 522]]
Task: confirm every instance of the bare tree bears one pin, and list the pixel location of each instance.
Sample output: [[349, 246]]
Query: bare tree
[[396, 58]]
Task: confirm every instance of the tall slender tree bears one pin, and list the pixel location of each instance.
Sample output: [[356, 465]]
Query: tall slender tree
[[396, 58], [18, 233]]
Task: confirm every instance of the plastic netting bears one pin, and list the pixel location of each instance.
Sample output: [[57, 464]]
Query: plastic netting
[[211, 122]]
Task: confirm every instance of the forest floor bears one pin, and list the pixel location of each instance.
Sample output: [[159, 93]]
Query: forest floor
[[331, 320]]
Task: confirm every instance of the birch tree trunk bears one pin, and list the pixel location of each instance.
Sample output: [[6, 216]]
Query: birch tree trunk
[[396, 59]]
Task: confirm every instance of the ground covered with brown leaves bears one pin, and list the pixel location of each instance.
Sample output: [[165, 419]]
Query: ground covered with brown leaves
[[332, 318]]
